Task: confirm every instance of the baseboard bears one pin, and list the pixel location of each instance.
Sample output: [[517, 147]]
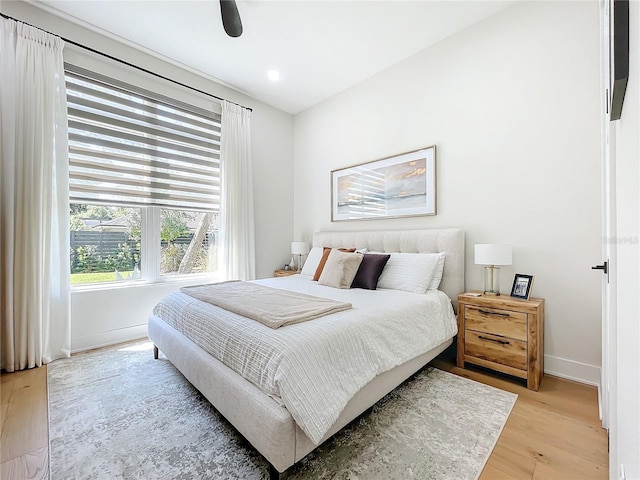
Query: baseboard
[[111, 337], [572, 370]]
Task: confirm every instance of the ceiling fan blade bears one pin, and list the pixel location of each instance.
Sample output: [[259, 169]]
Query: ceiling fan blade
[[230, 18]]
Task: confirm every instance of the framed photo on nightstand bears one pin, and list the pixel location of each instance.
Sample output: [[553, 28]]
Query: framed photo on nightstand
[[522, 285]]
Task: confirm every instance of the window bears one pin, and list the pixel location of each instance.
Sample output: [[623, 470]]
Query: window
[[186, 242], [144, 182], [105, 243]]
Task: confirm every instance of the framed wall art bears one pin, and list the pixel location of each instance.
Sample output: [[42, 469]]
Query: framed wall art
[[399, 186]]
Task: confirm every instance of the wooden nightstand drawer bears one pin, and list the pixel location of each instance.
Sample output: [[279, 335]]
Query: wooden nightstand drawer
[[497, 349], [284, 273], [498, 322]]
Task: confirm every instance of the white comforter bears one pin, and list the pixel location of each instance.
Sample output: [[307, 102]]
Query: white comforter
[[314, 368]]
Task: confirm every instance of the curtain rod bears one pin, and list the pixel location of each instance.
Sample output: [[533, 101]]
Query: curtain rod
[[124, 62]]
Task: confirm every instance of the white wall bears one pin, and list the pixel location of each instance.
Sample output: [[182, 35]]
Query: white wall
[[625, 424], [512, 104], [105, 316]]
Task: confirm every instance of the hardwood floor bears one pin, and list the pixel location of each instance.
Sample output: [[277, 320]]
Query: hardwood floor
[[24, 441], [553, 433]]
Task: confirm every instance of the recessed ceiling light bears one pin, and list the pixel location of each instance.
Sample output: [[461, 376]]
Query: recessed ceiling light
[[274, 75]]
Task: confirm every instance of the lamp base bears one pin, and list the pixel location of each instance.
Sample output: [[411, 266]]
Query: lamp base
[[492, 280]]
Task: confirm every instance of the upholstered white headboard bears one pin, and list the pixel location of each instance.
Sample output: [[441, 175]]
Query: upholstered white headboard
[[448, 240]]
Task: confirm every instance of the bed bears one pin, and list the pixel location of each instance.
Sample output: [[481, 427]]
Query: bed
[[262, 409]]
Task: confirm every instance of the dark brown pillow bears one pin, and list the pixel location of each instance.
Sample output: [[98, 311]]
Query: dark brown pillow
[[323, 260], [369, 271]]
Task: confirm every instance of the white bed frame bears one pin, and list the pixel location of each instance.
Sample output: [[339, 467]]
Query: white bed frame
[[266, 424]]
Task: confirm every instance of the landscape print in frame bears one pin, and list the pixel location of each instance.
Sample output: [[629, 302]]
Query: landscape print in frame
[[399, 186]]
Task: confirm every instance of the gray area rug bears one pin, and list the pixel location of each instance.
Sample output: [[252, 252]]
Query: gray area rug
[[119, 414]]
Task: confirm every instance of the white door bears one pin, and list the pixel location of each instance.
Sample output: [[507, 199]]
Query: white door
[[608, 263], [607, 267]]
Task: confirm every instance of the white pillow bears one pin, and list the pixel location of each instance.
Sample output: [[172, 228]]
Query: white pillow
[[313, 259], [412, 272], [340, 269], [439, 270]]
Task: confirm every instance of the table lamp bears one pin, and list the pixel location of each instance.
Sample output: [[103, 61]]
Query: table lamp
[[491, 254], [299, 249]]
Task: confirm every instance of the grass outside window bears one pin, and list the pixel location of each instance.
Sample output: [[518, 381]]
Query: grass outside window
[[97, 277]]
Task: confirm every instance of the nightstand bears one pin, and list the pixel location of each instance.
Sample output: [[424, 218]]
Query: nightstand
[[284, 273], [503, 333]]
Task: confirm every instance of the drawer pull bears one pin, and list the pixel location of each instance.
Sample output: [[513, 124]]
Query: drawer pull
[[501, 342], [494, 313]]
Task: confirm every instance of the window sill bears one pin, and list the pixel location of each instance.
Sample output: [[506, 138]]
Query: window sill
[[176, 280]]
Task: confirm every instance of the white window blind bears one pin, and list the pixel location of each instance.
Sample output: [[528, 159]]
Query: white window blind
[[132, 147]]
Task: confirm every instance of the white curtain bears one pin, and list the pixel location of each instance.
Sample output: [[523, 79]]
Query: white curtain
[[34, 199], [237, 246]]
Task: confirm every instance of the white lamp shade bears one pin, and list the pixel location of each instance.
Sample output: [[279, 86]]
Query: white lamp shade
[[492, 254], [299, 248]]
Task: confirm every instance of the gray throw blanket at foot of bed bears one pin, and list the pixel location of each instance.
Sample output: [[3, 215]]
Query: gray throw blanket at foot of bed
[[272, 307]]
